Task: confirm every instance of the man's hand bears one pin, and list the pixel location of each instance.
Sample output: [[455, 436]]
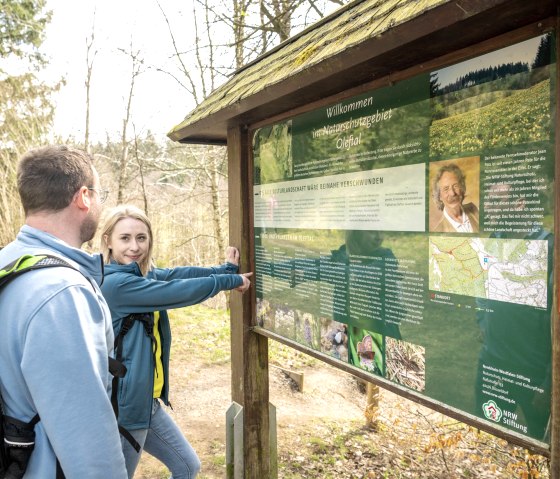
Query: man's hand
[[246, 282], [232, 255]]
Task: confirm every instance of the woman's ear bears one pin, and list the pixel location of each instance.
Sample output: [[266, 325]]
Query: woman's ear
[[106, 240]]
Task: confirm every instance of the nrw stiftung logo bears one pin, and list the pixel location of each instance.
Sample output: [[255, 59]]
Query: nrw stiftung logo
[[492, 411]]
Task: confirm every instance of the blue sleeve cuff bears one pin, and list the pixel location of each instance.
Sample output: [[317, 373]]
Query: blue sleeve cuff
[[230, 268]]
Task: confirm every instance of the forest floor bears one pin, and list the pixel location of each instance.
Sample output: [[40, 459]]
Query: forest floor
[[321, 430]]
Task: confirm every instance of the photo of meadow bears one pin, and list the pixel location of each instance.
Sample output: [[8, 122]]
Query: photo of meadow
[[497, 100]]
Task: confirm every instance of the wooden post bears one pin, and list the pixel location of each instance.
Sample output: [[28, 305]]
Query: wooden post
[[372, 405], [555, 406], [249, 350]]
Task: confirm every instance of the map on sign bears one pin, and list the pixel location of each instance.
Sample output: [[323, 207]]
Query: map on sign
[[511, 270]]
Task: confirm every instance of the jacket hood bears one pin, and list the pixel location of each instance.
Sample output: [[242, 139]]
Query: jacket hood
[[89, 264]]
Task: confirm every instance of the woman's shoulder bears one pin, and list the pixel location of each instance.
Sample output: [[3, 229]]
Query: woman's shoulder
[[116, 273]]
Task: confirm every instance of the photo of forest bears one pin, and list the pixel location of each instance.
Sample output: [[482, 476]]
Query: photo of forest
[[492, 106], [272, 147]]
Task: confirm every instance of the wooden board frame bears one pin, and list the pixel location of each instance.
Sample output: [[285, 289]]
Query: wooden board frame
[[250, 342], [503, 40]]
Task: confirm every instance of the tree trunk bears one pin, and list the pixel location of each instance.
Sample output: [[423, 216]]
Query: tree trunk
[[89, 63], [136, 65]]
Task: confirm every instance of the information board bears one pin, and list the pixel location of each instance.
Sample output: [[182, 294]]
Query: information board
[[407, 231]]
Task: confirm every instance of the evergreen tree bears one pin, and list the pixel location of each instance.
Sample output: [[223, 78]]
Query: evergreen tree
[[26, 112], [434, 84], [544, 52], [22, 26]]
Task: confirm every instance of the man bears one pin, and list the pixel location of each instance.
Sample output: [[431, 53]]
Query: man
[[448, 191], [56, 327]]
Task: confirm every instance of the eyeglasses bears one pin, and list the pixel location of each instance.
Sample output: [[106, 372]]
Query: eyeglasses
[[101, 193]]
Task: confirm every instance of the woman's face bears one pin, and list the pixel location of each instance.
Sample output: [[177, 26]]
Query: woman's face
[[129, 242]]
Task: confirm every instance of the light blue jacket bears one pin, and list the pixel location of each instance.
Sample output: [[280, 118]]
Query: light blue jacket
[[126, 292], [55, 341]]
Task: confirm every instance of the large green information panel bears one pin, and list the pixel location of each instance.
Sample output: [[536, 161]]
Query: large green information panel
[[408, 231]]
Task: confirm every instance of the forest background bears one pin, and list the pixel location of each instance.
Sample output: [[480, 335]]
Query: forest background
[[183, 188]]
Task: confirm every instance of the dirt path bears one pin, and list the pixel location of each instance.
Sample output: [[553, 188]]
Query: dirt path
[[201, 396]]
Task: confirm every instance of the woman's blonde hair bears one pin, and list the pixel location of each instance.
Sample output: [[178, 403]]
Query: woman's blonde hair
[[117, 214]]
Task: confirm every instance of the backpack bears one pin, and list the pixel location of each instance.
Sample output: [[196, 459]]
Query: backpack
[[17, 437]]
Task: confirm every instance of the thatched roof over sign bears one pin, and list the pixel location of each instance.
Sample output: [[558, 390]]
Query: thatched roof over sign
[[365, 40]]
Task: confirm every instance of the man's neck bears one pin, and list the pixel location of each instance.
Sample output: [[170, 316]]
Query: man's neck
[[57, 224]]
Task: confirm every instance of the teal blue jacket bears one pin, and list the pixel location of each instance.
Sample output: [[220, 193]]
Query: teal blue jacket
[[127, 291]]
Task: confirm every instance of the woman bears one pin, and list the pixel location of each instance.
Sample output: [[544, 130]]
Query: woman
[[138, 295]]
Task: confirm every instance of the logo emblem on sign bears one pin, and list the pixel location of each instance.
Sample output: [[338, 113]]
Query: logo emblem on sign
[[492, 411]]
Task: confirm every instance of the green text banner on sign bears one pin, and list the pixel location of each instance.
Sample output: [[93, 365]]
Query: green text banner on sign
[[408, 232]]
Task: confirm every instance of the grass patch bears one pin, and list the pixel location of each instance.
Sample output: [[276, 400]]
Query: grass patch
[[218, 460], [284, 356], [206, 332], [203, 330]]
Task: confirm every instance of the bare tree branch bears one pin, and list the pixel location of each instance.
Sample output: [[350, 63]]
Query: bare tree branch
[[184, 69]]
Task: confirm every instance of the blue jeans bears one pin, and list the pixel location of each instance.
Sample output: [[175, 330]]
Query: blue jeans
[[165, 441]]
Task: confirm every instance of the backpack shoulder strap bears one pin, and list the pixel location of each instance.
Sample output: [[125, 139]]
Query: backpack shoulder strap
[[22, 265], [29, 262], [15, 434]]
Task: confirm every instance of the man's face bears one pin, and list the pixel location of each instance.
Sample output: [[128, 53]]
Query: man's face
[[451, 193], [91, 221]]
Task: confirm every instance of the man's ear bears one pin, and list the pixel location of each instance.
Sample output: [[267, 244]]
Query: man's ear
[[83, 198]]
